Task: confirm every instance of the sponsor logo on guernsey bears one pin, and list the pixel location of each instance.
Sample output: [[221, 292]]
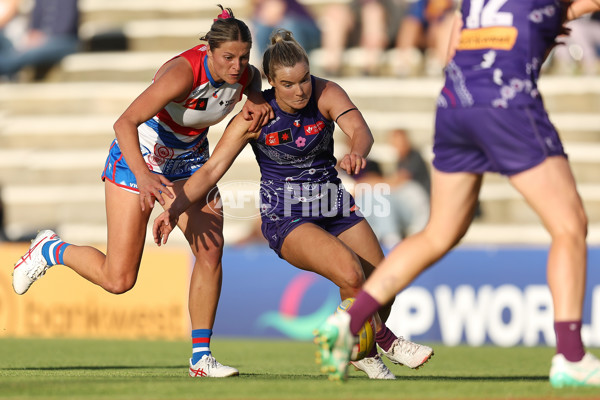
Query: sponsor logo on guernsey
[[197, 104], [314, 128], [280, 137], [226, 103]]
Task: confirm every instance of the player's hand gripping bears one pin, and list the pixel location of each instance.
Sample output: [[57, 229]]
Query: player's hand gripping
[[352, 163], [257, 110], [163, 226], [153, 187]]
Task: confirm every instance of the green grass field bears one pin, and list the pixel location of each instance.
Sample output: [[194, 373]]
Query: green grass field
[[102, 369]]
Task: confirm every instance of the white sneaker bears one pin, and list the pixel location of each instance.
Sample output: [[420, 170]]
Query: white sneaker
[[32, 265], [374, 368], [208, 367], [580, 373], [405, 352]]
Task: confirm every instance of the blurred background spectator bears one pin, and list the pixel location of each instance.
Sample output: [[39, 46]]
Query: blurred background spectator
[[410, 165], [51, 34], [395, 202], [579, 54], [421, 42], [395, 213], [397, 37], [362, 23], [268, 15], [8, 12]]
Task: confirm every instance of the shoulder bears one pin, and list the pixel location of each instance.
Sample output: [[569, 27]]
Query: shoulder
[[195, 53], [327, 92], [326, 87]]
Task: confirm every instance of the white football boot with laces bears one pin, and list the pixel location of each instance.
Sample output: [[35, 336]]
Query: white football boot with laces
[[32, 265], [209, 367], [584, 373], [374, 368], [405, 352]]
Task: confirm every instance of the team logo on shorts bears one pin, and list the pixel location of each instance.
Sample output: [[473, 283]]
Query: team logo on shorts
[[277, 138]]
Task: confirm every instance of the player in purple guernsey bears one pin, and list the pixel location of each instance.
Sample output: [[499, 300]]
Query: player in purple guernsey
[[309, 219], [491, 118], [160, 142]]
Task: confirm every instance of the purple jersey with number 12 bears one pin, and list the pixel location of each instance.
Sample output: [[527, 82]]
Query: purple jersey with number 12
[[504, 42]]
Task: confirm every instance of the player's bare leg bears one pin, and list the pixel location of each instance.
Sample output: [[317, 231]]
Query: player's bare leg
[[551, 191], [453, 201], [117, 271], [202, 226], [361, 239]]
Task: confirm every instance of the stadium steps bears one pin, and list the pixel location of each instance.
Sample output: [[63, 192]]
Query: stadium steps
[[55, 135], [577, 95], [131, 10]]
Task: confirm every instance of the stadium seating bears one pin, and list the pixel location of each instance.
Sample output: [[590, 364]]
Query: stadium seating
[[56, 133]]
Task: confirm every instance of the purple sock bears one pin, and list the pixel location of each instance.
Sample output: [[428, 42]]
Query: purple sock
[[385, 338], [373, 351], [362, 309], [568, 340]]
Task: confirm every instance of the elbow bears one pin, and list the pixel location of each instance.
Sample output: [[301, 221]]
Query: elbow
[[370, 142], [118, 126]]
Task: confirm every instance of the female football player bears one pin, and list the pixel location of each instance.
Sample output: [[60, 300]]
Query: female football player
[[161, 139], [491, 117], [307, 216]]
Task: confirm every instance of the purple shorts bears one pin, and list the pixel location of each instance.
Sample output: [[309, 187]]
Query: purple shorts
[[485, 139], [276, 231]]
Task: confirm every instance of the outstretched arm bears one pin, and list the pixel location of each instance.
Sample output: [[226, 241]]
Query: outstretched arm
[[335, 103], [235, 137]]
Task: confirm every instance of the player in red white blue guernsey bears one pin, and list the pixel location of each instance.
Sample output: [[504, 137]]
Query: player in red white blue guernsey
[[161, 139], [491, 118], [309, 219]]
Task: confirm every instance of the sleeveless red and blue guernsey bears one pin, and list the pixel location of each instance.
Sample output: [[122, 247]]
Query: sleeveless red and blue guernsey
[[174, 142], [297, 165], [503, 44]]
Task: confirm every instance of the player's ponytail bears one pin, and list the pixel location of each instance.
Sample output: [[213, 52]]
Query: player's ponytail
[[227, 28], [284, 51]]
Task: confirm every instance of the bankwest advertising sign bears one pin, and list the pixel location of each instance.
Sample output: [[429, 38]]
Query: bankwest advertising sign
[[62, 304]]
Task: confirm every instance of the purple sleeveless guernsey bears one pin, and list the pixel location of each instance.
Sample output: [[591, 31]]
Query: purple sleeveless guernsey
[[503, 44], [298, 175]]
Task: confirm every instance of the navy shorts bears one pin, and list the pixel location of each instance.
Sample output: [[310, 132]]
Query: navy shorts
[[276, 231], [485, 139]]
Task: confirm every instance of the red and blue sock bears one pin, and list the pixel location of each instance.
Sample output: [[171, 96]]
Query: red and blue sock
[[200, 343], [53, 251]]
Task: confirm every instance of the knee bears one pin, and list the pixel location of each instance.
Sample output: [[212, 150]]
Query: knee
[[353, 277], [354, 280], [574, 228], [120, 285], [121, 282]]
